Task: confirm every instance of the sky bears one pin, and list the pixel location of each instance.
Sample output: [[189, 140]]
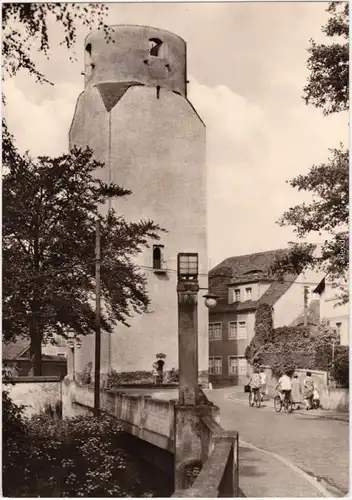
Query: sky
[[247, 70]]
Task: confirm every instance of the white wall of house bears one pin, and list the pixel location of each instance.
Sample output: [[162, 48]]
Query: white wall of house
[[248, 291], [291, 304], [337, 315]]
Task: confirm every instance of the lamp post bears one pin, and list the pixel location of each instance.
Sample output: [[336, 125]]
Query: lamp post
[[187, 293]]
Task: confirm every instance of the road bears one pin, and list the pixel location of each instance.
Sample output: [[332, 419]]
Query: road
[[288, 444], [316, 445]]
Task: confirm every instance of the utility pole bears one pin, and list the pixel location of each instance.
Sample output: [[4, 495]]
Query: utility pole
[[305, 298], [97, 320]]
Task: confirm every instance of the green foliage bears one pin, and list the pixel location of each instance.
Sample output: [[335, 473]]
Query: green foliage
[[14, 435], [263, 325], [263, 328], [82, 456], [85, 376], [327, 88], [25, 29], [328, 212], [328, 83], [49, 210], [115, 379], [340, 367], [295, 347], [172, 376]]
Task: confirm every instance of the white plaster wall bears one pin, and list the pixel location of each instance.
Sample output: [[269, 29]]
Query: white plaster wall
[[158, 151], [291, 304], [330, 310]]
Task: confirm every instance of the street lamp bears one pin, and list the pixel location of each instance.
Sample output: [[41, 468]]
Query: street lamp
[[210, 300], [187, 292], [187, 266]]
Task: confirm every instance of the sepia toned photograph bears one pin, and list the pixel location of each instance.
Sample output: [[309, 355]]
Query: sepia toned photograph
[[175, 245]]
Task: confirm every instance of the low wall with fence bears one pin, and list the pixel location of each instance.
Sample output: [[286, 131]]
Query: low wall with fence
[[330, 398]]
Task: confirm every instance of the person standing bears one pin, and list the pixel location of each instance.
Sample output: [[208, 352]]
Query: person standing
[[263, 379], [255, 383], [308, 390], [296, 391]]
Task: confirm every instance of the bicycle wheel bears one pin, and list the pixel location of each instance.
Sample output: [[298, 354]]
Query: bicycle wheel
[[288, 406], [277, 403], [258, 399], [250, 400]]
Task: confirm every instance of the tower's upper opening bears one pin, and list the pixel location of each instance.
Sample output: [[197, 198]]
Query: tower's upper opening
[[148, 56], [154, 46]]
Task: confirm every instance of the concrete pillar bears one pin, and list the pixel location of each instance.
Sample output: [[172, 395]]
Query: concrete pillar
[[192, 440], [187, 292]]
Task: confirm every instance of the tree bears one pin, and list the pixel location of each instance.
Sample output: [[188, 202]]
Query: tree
[[328, 84], [25, 26], [49, 211], [327, 88]]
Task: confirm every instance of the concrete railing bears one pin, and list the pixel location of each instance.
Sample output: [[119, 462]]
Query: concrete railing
[[147, 418], [219, 476]]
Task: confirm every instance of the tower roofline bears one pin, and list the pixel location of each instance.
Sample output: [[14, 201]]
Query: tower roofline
[[137, 26]]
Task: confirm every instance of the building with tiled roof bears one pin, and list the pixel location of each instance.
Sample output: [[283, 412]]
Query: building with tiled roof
[[241, 284]]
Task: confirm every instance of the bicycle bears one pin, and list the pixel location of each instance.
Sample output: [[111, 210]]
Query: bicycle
[[286, 404], [256, 399]]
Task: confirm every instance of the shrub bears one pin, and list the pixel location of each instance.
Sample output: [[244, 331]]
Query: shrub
[[295, 347], [85, 376], [115, 379], [340, 367], [172, 376], [78, 457]]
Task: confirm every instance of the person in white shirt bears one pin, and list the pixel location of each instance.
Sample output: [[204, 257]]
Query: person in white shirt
[[264, 380], [285, 386]]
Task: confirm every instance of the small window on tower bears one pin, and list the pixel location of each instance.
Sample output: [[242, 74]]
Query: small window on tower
[[154, 46], [89, 48], [158, 261]]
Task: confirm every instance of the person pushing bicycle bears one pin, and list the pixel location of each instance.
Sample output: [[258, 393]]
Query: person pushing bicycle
[[255, 383]]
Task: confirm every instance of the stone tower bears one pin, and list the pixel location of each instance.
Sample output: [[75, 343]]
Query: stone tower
[[135, 115]]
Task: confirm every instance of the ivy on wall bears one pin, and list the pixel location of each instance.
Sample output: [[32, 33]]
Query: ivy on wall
[[290, 347]]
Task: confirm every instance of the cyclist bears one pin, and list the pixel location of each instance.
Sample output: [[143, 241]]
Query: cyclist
[[285, 386], [255, 383]]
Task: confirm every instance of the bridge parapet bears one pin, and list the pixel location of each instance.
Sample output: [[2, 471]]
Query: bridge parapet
[[219, 475], [145, 417]]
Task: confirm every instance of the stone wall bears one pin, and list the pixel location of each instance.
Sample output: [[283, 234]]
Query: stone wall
[[36, 393]]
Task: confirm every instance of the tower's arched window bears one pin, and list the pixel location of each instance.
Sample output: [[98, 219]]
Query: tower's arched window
[[89, 48], [154, 46], [157, 257]]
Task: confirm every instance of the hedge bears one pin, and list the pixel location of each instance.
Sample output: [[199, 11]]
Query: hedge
[[290, 347]]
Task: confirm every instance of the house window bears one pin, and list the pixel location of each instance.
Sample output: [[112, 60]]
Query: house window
[[215, 331], [248, 293], [237, 330], [237, 366], [157, 256], [215, 365], [237, 295], [338, 327], [154, 46]]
